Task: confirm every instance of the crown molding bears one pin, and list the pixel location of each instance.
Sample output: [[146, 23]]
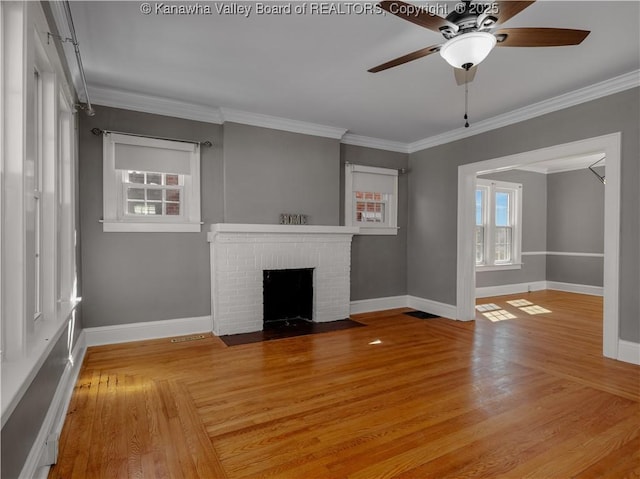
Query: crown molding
[[162, 106], [278, 123], [592, 92], [154, 104], [377, 143]]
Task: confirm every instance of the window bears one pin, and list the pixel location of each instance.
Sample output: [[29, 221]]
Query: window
[[371, 199], [498, 225], [38, 141], [151, 184]]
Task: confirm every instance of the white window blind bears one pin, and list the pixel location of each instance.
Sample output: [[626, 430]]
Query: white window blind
[[159, 156], [380, 183]]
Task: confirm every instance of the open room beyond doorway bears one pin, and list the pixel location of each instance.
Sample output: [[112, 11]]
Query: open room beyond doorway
[[609, 145]]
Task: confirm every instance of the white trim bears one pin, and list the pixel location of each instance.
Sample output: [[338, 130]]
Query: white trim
[[629, 352], [592, 92], [154, 104], [607, 144], [576, 288], [56, 414], [280, 229], [149, 227], [498, 267], [378, 304], [162, 106], [123, 333], [434, 307], [377, 143], [505, 289], [567, 253], [562, 253], [278, 123]]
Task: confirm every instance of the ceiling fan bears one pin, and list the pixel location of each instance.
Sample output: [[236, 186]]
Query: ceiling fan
[[470, 34]]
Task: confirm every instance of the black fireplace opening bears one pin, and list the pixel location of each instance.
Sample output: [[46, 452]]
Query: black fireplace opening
[[287, 295]]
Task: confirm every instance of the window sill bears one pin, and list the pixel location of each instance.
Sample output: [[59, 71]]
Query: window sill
[[498, 267], [382, 231], [148, 227], [19, 372]]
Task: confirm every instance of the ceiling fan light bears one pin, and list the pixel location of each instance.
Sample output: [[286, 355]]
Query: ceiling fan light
[[468, 48]]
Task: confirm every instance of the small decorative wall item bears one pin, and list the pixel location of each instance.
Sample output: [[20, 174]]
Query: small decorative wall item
[[293, 219]]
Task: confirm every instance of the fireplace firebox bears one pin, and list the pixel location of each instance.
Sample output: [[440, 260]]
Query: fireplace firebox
[[287, 294]]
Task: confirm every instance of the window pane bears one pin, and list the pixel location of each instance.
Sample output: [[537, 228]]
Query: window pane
[[502, 209], [479, 245], [479, 203], [503, 245], [173, 195], [154, 178], [135, 193], [136, 177], [172, 179], [154, 195], [141, 208], [172, 209]]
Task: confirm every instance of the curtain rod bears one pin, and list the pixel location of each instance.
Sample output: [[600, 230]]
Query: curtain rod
[[98, 131], [74, 40], [402, 171]]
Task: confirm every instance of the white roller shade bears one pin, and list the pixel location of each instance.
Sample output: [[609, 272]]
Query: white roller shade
[[374, 182], [144, 158], [149, 154]]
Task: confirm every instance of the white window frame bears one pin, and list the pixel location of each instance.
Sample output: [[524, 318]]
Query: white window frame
[[491, 187], [390, 226], [27, 138], [116, 218]]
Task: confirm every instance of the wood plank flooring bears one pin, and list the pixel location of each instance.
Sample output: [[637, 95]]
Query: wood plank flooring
[[400, 398]]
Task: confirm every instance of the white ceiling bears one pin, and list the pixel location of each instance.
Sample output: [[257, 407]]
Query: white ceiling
[[313, 68]]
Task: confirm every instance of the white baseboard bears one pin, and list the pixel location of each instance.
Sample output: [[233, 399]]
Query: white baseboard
[[124, 333], [628, 352], [501, 290], [433, 307], [576, 288], [378, 304], [56, 414]]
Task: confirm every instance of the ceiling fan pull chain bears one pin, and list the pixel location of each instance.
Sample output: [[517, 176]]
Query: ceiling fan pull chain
[[466, 102]]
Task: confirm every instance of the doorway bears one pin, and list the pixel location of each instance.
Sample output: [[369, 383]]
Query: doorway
[[609, 145]]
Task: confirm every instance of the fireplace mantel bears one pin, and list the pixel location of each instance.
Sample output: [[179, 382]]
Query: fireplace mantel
[[241, 252], [280, 229]]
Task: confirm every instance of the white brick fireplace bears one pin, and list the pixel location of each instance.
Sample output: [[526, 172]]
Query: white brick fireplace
[[241, 252]]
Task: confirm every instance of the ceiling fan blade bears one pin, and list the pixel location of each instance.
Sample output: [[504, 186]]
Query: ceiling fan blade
[[508, 9], [465, 76], [409, 57], [539, 37], [416, 14]]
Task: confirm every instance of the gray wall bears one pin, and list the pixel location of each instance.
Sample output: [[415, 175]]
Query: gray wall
[[268, 172], [22, 428], [433, 193], [251, 175], [136, 277], [534, 230], [378, 263], [575, 224]]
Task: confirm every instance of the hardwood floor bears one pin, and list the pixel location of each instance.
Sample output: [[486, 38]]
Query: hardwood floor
[[400, 398]]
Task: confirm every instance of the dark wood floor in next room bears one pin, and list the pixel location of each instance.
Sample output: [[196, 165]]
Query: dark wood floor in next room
[[402, 397]]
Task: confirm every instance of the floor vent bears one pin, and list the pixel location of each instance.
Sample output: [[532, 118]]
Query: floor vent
[[188, 338]]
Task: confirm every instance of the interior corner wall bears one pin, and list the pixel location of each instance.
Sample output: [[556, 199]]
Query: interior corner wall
[[138, 277], [534, 231], [268, 172], [378, 263], [575, 224], [433, 184]]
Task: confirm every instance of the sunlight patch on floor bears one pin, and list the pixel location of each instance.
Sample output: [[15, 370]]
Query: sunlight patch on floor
[[499, 315], [519, 302], [535, 309], [488, 307]]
